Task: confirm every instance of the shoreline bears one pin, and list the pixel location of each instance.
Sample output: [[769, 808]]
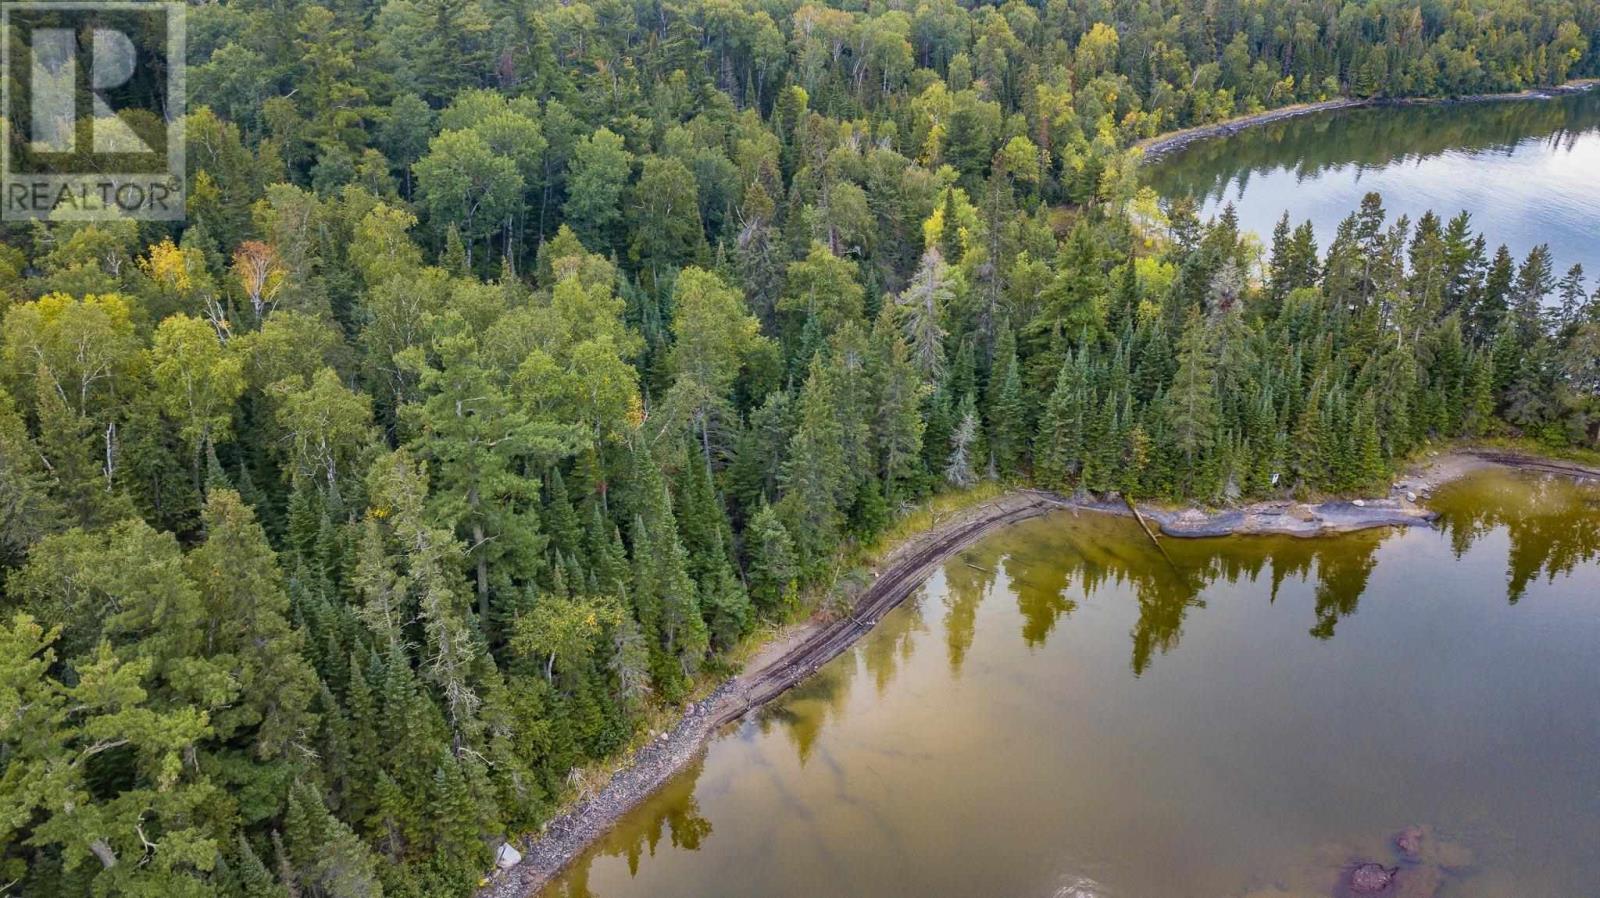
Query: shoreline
[[1163, 145], [796, 653], [784, 662]]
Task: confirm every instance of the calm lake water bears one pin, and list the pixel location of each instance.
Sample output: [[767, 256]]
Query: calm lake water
[[1527, 170], [1059, 709]]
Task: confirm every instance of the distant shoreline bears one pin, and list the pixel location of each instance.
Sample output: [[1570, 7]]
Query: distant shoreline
[[1163, 145]]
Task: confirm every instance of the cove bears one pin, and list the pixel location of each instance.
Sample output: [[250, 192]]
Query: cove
[[1060, 712], [1527, 170]]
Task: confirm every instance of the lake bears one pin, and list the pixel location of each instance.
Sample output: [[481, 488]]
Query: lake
[[1060, 712], [1527, 170]]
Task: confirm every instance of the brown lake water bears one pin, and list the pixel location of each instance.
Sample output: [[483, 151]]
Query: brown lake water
[[1060, 713]]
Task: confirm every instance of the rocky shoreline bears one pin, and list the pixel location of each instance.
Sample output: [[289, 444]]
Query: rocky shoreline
[[1166, 144], [1291, 518], [799, 653], [566, 836], [546, 854]]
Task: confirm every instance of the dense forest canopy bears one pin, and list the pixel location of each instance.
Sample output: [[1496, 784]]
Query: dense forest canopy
[[516, 360]]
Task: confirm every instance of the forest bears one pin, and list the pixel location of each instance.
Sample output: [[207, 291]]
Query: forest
[[518, 360]]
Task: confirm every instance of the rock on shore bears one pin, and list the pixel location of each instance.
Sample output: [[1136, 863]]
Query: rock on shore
[[1289, 518]]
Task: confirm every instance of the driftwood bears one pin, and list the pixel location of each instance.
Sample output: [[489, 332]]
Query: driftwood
[[1148, 532]]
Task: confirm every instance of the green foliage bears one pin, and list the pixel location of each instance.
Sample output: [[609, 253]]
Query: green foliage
[[595, 186], [513, 363]]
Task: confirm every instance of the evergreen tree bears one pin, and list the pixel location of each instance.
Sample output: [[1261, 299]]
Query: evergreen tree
[[560, 518], [324, 856], [510, 364], [666, 601], [1192, 401], [897, 425], [1061, 434], [958, 470], [1007, 410], [27, 510], [814, 477], [474, 437], [922, 308]]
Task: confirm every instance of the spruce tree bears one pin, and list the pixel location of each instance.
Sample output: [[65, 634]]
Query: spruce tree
[[958, 469], [814, 475], [1007, 410], [772, 563], [897, 425], [1060, 453], [1192, 401], [252, 876], [327, 859], [560, 519]]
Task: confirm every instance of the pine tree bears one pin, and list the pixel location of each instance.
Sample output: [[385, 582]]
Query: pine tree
[[27, 511], [1192, 401], [666, 599], [1280, 273], [473, 436], [1103, 446], [702, 521], [1535, 279], [361, 710], [1497, 295], [897, 425], [1572, 296], [922, 309], [559, 517], [814, 477], [761, 450], [1309, 440], [432, 559], [958, 470], [772, 568], [457, 847], [1007, 410], [608, 559], [1061, 434], [1480, 409], [59, 804], [326, 858], [254, 880], [1124, 300], [1369, 468], [728, 609], [263, 730]]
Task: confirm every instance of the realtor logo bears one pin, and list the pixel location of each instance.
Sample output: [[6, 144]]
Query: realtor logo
[[92, 111]]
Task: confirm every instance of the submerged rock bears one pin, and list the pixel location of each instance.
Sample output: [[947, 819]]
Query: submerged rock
[[1409, 841], [1371, 879], [1421, 845], [1081, 887]]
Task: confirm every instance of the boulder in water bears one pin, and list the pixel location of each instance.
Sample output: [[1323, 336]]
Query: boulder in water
[[1409, 841], [1080, 887], [1421, 845], [1371, 879]]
